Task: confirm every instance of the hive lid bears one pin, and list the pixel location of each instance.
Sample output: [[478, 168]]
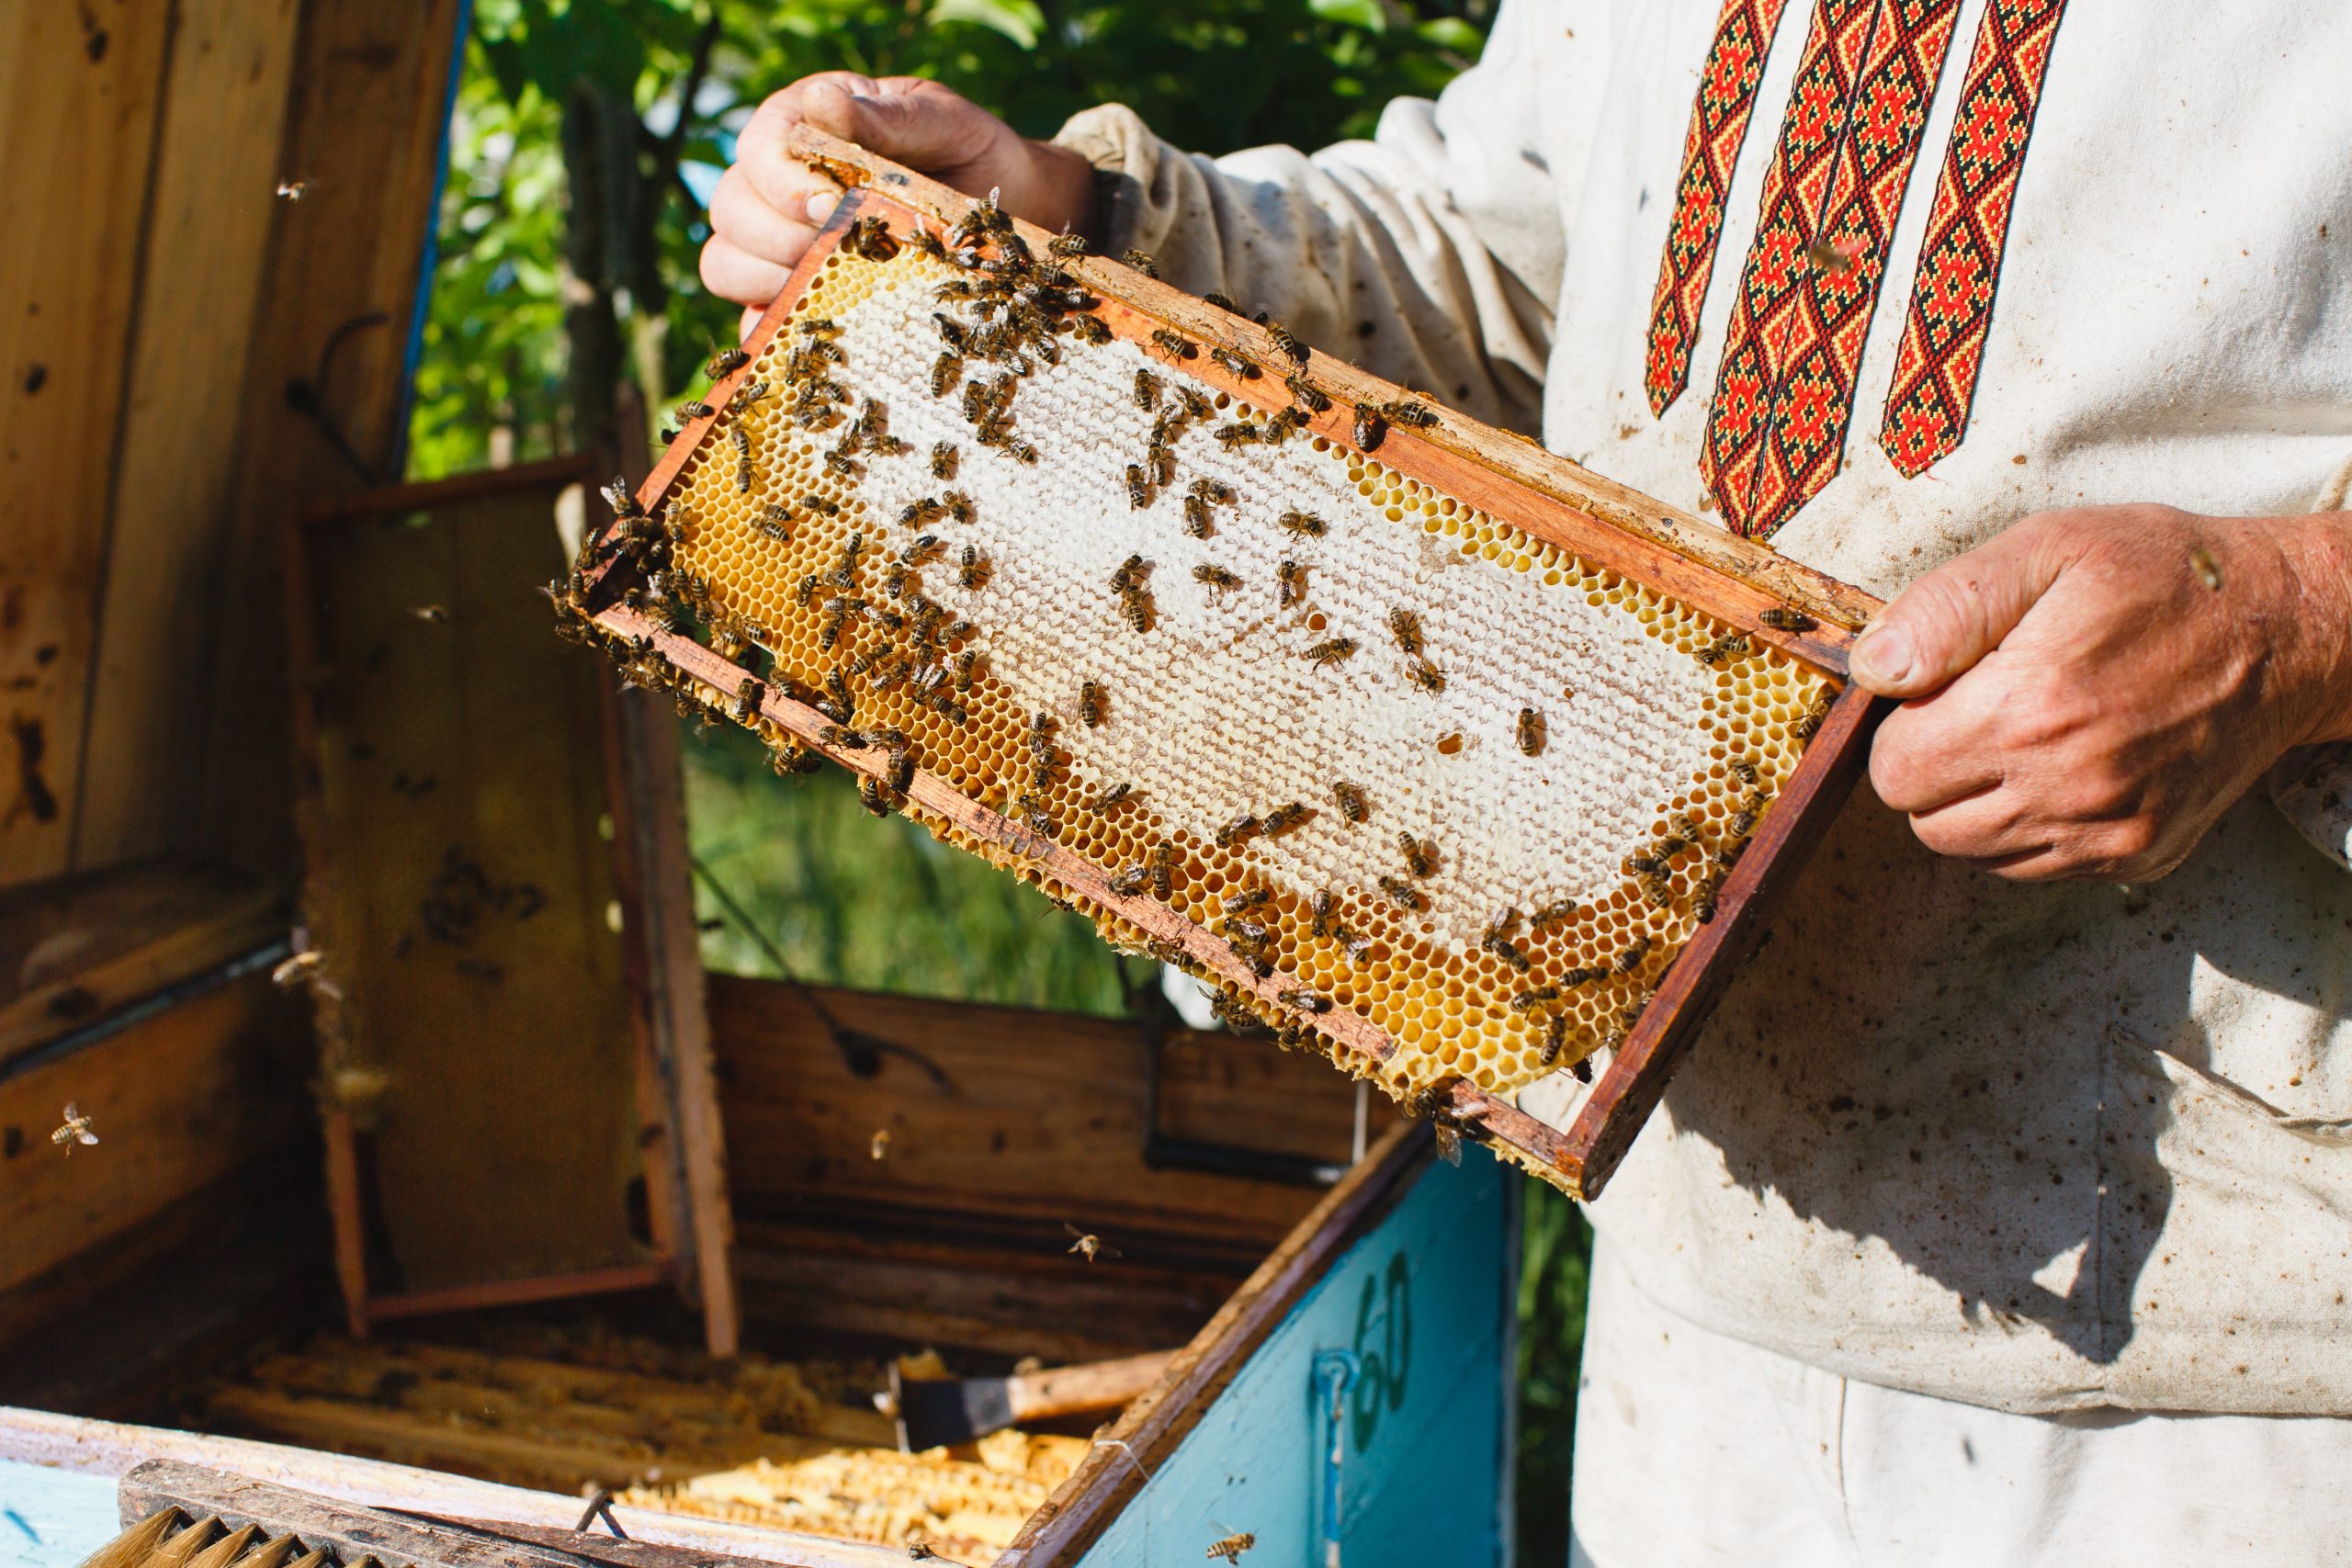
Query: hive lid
[[1429, 749]]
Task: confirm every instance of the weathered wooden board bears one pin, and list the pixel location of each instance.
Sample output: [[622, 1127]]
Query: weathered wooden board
[[458, 823], [208, 213], [79, 103], [178, 1102]]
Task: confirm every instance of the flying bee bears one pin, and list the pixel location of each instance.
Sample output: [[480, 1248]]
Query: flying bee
[[1290, 579], [1786, 620], [1630, 958], [1175, 345], [1304, 524], [1240, 369], [1531, 731], [1406, 627], [1239, 830], [1139, 488], [1310, 396], [1528, 1001], [1808, 723], [1217, 578], [1285, 817], [1354, 806], [1090, 704], [1304, 1001], [1147, 389], [1426, 675], [725, 362], [1402, 893], [1197, 522], [1408, 413], [1420, 854], [1550, 915], [1331, 651], [435, 614], [76, 1132], [1370, 429], [1324, 914], [1102, 804]]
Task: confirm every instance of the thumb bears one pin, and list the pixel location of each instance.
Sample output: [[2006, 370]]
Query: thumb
[[926, 126], [1937, 629]]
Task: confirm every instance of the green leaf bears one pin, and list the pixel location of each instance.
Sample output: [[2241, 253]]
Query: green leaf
[[1019, 20], [1364, 13]]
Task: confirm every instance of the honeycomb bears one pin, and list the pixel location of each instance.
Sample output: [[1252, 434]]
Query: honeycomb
[[1425, 768]]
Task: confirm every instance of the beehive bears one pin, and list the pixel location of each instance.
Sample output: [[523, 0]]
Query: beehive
[[1273, 669]]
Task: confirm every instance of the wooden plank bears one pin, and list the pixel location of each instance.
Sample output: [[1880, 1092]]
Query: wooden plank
[[1005, 1112], [178, 1102], [1150, 1429], [209, 222], [76, 950], [364, 128], [79, 1445], [1421, 1302], [78, 138]]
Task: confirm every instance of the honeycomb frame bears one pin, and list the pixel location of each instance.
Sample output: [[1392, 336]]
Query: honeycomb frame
[[1436, 1015]]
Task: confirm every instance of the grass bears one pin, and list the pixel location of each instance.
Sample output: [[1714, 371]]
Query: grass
[[797, 871]]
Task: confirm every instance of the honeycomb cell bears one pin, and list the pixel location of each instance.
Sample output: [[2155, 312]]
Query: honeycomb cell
[[1666, 738]]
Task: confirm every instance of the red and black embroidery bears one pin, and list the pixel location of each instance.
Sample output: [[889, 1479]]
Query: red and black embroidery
[[1784, 394], [1719, 117], [1960, 260]]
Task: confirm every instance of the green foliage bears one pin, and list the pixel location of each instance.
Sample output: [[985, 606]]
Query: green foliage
[[1555, 1260], [1209, 74]]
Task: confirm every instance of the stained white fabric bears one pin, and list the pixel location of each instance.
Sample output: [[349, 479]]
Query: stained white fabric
[[2042, 1148], [1698, 1450]]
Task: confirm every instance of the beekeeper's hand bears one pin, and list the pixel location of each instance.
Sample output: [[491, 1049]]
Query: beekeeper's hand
[[769, 204], [2088, 692]]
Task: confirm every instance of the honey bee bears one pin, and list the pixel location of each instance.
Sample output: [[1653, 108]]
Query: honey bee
[[924, 549], [1090, 329], [1354, 806], [1141, 261], [840, 462], [1809, 723], [1550, 915], [963, 664], [1370, 429], [804, 590], [1324, 914], [1216, 493], [1502, 947], [1174, 343], [1283, 425], [1034, 812], [1304, 1001], [1304, 524], [76, 1130], [1528, 1001], [1408, 413], [1290, 581], [875, 796], [1197, 523], [1330, 652], [1406, 627], [1294, 350], [842, 738], [870, 237], [900, 774], [1705, 895], [689, 412], [1139, 488], [1147, 389], [775, 522], [1402, 893], [1285, 817], [725, 362], [1531, 732], [1066, 244], [1786, 620], [748, 697], [1359, 949], [1630, 958], [1129, 883], [1310, 396], [1555, 1040], [973, 569], [1021, 452], [1135, 605], [1239, 830], [1426, 675], [1217, 578], [1102, 804], [1090, 704], [1420, 854], [1162, 861], [945, 371], [1240, 367], [1131, 573], [1089, 1245], [1160, 466]]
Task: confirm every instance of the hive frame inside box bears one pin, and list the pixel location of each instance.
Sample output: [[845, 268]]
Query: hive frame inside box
[[1548, 497]]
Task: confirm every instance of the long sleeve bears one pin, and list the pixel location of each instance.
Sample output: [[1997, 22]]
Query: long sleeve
[[1430, 254]]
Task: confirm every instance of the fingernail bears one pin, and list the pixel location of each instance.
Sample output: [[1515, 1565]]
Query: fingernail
[[821, 205], [1881, 656]]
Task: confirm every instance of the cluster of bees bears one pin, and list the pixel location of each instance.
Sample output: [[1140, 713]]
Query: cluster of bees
[[1016, 306]]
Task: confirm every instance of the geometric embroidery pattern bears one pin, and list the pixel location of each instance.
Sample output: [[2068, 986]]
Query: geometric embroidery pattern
[[1719, 117], [1784, 394], [1960, 260]]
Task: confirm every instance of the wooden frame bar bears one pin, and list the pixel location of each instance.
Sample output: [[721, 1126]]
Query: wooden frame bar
[[1554, 501]]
